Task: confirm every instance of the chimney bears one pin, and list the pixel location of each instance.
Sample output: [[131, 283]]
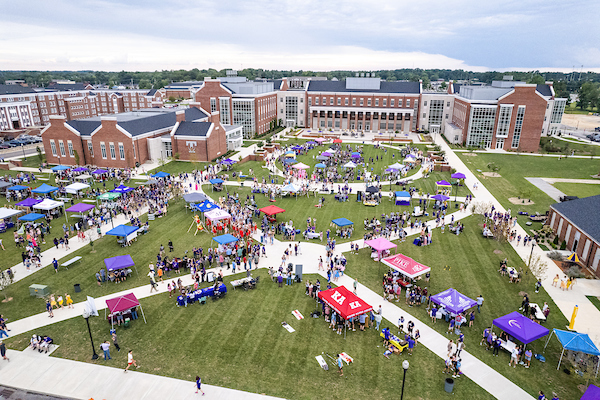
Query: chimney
[[180, 116]]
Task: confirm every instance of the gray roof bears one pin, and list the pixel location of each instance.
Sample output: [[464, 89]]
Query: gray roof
[[151, 92], [15, 89], [185, 84], [483, 92], [199, 129], [584, 213], [231, 127], [544, 90], [385, 87], [456, 87], [138, 122], [66, 86]]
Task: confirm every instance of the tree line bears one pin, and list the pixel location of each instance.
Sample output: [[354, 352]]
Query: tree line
[[569, 82]]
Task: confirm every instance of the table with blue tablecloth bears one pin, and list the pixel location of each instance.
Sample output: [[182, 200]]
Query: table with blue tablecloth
[[198, 294]]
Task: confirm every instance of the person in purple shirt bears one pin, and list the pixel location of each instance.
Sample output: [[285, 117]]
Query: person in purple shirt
[[411, 345]]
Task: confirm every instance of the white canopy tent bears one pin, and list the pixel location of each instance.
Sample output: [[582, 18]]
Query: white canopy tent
[[48, 204], [397, 166], [76, 187], [9, 212], [217, 214], [349, 164], [83, 177]]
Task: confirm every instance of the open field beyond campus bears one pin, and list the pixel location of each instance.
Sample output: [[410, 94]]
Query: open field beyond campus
[[514, 168], [577, 189], [238, 342]]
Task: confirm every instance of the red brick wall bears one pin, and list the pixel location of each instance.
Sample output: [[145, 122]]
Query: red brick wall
[[533, 120], [211, 89], [57, 131], [205, 149]]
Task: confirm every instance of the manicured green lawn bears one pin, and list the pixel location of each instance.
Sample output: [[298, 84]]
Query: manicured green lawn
[[513, 170], [578, 189], [595, 301], [177, 167], [559, 146], [173, 226], [469, 263], [238, 342]]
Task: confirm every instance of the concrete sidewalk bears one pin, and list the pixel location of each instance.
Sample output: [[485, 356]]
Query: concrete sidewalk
[[79, 380]]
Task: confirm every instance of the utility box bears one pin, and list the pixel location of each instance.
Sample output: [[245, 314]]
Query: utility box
[[39, 290]]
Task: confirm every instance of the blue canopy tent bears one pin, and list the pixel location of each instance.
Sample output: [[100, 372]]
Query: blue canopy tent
[[320, 165], [31, 217], [290, 161], [217, 184], [403, 198], [341, 222], [206, 205], [44, 188], [126, 231], [574, 341], [224, 239], [161, 174], [59, 168], [18, 187], [122, 189], [216, 181]]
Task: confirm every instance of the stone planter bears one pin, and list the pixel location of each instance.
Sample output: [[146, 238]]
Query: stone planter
[[260, 153], [269, 148]]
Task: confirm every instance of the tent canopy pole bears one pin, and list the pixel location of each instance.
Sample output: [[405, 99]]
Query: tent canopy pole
[[143, 316]]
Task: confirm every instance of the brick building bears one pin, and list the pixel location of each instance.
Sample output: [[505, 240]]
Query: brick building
[[506, 115], [131, 138], [251, 104], [364, 104], [576, 222], [33, 107]]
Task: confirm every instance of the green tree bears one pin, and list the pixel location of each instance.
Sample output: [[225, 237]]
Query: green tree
[[537, 79], [588, 95], [560, 89], [145, 84]]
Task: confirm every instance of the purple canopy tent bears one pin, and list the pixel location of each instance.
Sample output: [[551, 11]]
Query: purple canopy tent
[[326, 154], [80, 207], [228, 161], [80, 169], [458, 175], [592, 393], [453, 301], [29, 202], [100, 171], [520, 327], [119, 262]]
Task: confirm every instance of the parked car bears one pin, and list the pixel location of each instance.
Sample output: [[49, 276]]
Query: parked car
[[4, 146]]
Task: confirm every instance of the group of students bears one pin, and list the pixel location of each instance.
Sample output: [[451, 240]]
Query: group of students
[[52, 302], [518, 355]]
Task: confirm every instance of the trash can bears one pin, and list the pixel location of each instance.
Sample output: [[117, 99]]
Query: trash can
[[449, 385], [77, 287]]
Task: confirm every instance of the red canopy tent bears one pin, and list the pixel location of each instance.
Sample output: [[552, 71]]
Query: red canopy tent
[[272, 210], [343, 301], [405, 265], [124, 303], [337, 140]]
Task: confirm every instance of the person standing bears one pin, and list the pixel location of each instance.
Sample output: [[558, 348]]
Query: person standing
[[55, 265], [3, 351], [49, 308], [130, 360], [355, 285], [340, 363], [479, 303], [105, 348], [115, 340], [198, 385]]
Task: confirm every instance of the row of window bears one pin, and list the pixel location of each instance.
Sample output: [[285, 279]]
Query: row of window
[[361, 101]]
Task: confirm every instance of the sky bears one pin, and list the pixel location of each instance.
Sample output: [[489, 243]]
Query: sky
[[318, 35]]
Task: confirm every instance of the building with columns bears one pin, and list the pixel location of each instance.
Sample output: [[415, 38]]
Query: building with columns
[[363, 104]]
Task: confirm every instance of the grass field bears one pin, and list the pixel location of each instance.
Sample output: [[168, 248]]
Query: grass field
[[513, 170], [238, 342], [469, 263], [559, 146], [173, 226], [578, 189]]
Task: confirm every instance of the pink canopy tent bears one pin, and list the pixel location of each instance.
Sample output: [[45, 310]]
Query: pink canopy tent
[[123, 303], [380, 244], [300, 166], [405, 265], [320, 140]]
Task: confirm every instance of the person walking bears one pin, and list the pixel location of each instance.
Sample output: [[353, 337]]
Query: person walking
[[3, 351], [106, 349], [340, 363], [115, 340], [130, 361], [480, 300], [198, 385]]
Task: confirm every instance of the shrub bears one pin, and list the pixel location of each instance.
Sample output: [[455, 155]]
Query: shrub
[[563, 245], [574, 272], [555, 255], [555, 241]]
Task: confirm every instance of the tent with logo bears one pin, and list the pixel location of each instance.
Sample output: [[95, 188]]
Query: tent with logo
[[453, 301], [217, 214], [344, 302], [406, 265], [574, 341], [520, 327], [122, 189], [123, 303], [403, 198]]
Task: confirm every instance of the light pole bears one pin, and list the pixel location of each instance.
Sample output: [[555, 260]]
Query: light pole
[[531, 253], [23, 149], [405, 366], [86, 316]]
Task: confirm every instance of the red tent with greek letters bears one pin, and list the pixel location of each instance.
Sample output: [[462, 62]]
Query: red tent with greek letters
[[405, 265], [344, 302]]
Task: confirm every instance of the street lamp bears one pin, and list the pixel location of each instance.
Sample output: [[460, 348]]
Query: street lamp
[[531, 254], [86, 316], [405, 366], [23, 149]]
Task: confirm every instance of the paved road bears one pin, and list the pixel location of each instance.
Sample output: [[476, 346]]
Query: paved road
[[13, 152]]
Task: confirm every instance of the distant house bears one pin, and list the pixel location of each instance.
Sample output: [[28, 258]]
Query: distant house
[[578, 223]]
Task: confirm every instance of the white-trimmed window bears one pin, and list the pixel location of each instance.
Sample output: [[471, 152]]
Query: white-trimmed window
[[90, 148], [70, 147], [113, 153], [121, 151], [134, 155], [391, 102], [339, 101], [518, 127], [346, 101], [61, 146], [369, 102], [316, 101], [213, 105], [407, 103], [385, 102], [353, 102], [361, 101], [331, 101], [103, 150], [376, 102], [53, 147]]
